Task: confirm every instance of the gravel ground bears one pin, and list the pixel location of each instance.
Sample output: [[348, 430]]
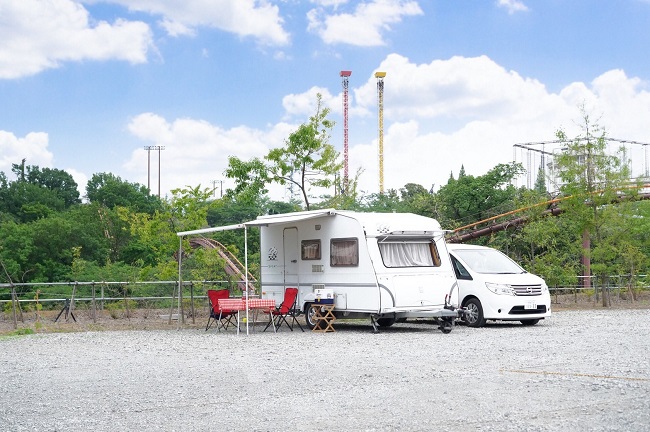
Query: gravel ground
[[581, 370]]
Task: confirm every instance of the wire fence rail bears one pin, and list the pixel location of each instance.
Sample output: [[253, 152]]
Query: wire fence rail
[[128, 296], [97, 296]]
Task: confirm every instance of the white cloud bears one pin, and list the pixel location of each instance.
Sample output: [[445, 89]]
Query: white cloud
[[457, 88], [304, 104], [365, 25], [33, 148], [329, 3], [438, 116], [254, 18], [512, 6], [80, 178], [471, 111], [196, 152], [39, 35]]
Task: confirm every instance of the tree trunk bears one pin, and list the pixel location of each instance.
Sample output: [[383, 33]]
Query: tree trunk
[[586, 264]]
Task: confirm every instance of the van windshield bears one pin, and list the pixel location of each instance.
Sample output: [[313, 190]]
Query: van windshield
[[489, 261]]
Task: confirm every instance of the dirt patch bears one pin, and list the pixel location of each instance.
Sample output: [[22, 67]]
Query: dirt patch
[[618, 300], [83, 320], [159, 319]]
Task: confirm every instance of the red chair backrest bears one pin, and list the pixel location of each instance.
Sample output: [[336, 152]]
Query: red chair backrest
[[215, 295], [290, 295]]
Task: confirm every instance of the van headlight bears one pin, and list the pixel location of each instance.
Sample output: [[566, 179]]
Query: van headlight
[[501, 289], [544, 287]]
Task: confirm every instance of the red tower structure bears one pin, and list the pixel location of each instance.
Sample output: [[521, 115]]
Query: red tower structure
[[345, 75]]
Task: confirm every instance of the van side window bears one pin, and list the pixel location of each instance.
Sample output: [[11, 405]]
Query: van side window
[[460, 270], [310, 249], [409, 254], [344, 252]]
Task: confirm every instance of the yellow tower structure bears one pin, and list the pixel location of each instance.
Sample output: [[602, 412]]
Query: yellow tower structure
[[380, 98]]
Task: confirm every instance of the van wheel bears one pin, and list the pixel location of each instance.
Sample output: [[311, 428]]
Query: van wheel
[[309, 316], [474, 315], [386, 322], [529, 322]]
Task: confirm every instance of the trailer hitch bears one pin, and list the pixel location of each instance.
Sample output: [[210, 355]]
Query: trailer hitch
[[460, 310]]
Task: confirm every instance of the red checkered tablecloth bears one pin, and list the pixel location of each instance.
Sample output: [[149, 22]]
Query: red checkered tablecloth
[[260, 303], [232, 304]]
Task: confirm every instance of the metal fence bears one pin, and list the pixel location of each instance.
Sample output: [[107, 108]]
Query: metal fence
[[97, 296]]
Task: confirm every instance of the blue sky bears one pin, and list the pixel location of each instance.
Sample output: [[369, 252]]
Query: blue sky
[[86, 84]]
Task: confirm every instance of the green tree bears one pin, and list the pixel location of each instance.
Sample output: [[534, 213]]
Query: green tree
[[16, 245], [540, 183], [348, 200], [306, 161], [55, 180], [189, 208], [592, 179], [251, 180], [111, 191], [469, 199], [36, 193]]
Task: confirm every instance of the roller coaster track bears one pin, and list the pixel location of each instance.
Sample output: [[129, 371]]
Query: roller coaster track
[[232, 265], [470, 232]]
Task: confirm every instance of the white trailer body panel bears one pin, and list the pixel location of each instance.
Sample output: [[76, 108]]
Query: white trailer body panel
[[303, 252]]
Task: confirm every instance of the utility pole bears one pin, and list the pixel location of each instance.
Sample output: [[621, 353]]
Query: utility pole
[[148, 149], [214, 188]]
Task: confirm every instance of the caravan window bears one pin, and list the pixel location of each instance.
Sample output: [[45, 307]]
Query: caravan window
[[310, 249], [409, 254], [344, 252]]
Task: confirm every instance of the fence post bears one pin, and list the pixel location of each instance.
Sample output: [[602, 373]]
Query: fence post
[[14, 300], [192, 302], [94, 303], [74, 291], [38, 312], [171, 306], [126, 302]]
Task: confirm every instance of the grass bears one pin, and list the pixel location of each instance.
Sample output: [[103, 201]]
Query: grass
[[17, 333]]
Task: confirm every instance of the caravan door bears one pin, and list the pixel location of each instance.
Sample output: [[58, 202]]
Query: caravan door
[[291, 255]]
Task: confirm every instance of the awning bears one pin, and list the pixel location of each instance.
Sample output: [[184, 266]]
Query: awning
[[264, 221], [260, 221]]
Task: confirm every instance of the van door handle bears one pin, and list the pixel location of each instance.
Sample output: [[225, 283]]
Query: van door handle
[[294, 261]]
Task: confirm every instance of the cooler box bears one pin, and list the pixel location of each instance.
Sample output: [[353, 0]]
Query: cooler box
[[324, 296]]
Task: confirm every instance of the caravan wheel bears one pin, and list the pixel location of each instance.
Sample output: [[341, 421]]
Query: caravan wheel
[[309, 316]]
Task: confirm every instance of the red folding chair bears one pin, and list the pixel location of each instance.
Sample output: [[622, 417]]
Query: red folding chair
[[222, 316], [286, 309]]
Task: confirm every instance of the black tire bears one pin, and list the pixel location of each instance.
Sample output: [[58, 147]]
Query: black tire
[[529, 322], [385, 322], [309, 316], [474, 315]]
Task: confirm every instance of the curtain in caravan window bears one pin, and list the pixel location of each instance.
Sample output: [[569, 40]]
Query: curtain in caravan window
[[310, 249], [406, 254], [344, 252]]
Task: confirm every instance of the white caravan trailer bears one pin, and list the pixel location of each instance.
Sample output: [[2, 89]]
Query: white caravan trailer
[[386, 266]]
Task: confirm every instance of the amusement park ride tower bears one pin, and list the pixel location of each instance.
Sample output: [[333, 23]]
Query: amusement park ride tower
[[380, 96], [345, 75]]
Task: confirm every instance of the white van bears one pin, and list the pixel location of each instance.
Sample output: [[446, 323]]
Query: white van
[[494, 287]]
